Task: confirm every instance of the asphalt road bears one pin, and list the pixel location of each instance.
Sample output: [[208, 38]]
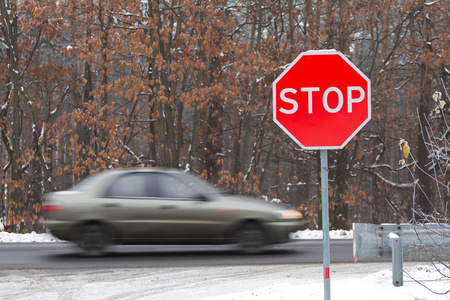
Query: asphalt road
[[67, 256]]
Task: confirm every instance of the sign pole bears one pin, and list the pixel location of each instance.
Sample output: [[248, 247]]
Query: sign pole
[[325, 223], [302, 96]]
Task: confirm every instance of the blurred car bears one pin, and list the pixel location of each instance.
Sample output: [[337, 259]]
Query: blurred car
[[161, 206]]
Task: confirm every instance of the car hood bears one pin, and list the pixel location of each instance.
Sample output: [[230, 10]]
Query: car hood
[[249, 202]]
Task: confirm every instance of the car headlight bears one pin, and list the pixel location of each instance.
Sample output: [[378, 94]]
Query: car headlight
[[288, 214]]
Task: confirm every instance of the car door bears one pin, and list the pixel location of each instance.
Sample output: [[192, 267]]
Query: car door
[[154, 206], [128, 205], [183, 213]]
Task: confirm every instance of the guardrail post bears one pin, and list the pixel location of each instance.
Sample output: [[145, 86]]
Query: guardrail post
[[397, 259]]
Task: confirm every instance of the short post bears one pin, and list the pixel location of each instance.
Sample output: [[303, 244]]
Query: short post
[[397, 259]]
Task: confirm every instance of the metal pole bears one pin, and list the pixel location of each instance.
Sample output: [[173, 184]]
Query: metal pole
[[397, 259], [325, 223]]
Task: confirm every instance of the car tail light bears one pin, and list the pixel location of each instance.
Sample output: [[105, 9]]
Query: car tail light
[[52, 207]]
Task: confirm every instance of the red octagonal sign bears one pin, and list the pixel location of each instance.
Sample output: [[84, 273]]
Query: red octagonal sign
[[321, 100]]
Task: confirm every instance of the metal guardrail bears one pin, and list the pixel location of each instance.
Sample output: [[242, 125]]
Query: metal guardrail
[[420, 242]]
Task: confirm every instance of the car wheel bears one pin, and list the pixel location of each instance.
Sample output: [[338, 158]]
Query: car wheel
[[250, 238], [93, 239]]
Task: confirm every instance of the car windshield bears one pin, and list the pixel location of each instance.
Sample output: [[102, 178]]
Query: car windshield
[[198, 184]]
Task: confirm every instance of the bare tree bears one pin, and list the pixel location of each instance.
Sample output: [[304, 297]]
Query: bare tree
[[431, 223]]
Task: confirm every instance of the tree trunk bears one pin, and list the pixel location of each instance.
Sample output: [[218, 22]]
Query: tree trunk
[[424, 195]]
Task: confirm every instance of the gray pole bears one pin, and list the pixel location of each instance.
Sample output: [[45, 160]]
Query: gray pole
[[325, 223], [397, 260]]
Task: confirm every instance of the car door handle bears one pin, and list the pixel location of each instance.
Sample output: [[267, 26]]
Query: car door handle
[[167, 207], [110, 205]]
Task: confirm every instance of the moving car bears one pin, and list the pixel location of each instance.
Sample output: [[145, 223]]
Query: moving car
[[162, 206]]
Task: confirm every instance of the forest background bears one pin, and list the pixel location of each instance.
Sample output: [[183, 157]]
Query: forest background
[[92, 85]]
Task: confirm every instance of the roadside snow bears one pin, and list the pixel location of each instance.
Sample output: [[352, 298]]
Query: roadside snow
[[349, 281], [317, 234], [33, 237]]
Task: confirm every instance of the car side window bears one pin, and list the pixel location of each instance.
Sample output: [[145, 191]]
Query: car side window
[[152, 187], [128, 186], [173, 188]]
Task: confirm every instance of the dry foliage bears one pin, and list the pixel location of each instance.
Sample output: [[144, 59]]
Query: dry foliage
[[93, 85]]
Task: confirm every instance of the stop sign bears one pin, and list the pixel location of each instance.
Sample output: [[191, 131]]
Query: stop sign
[[321, 100]]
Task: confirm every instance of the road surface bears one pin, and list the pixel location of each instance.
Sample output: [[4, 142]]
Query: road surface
[[67, 256]]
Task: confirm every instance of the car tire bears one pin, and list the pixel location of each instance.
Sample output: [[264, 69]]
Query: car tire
[[250, 239], [93, 239]]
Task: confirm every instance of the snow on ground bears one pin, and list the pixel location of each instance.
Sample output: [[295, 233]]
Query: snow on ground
[[272, 282], [349, 281], [317, 234], [33, 237]]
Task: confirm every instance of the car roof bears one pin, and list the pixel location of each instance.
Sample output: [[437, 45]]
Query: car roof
[[145, 169]]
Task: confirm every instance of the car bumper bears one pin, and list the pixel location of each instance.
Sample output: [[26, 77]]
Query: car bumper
[[63, 230], [279, 231]]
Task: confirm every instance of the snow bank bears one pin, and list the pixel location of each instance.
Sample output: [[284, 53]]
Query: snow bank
[[317, 234], [33, 237]]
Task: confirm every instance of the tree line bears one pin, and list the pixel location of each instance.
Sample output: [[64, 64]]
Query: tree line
[[93, 85]]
